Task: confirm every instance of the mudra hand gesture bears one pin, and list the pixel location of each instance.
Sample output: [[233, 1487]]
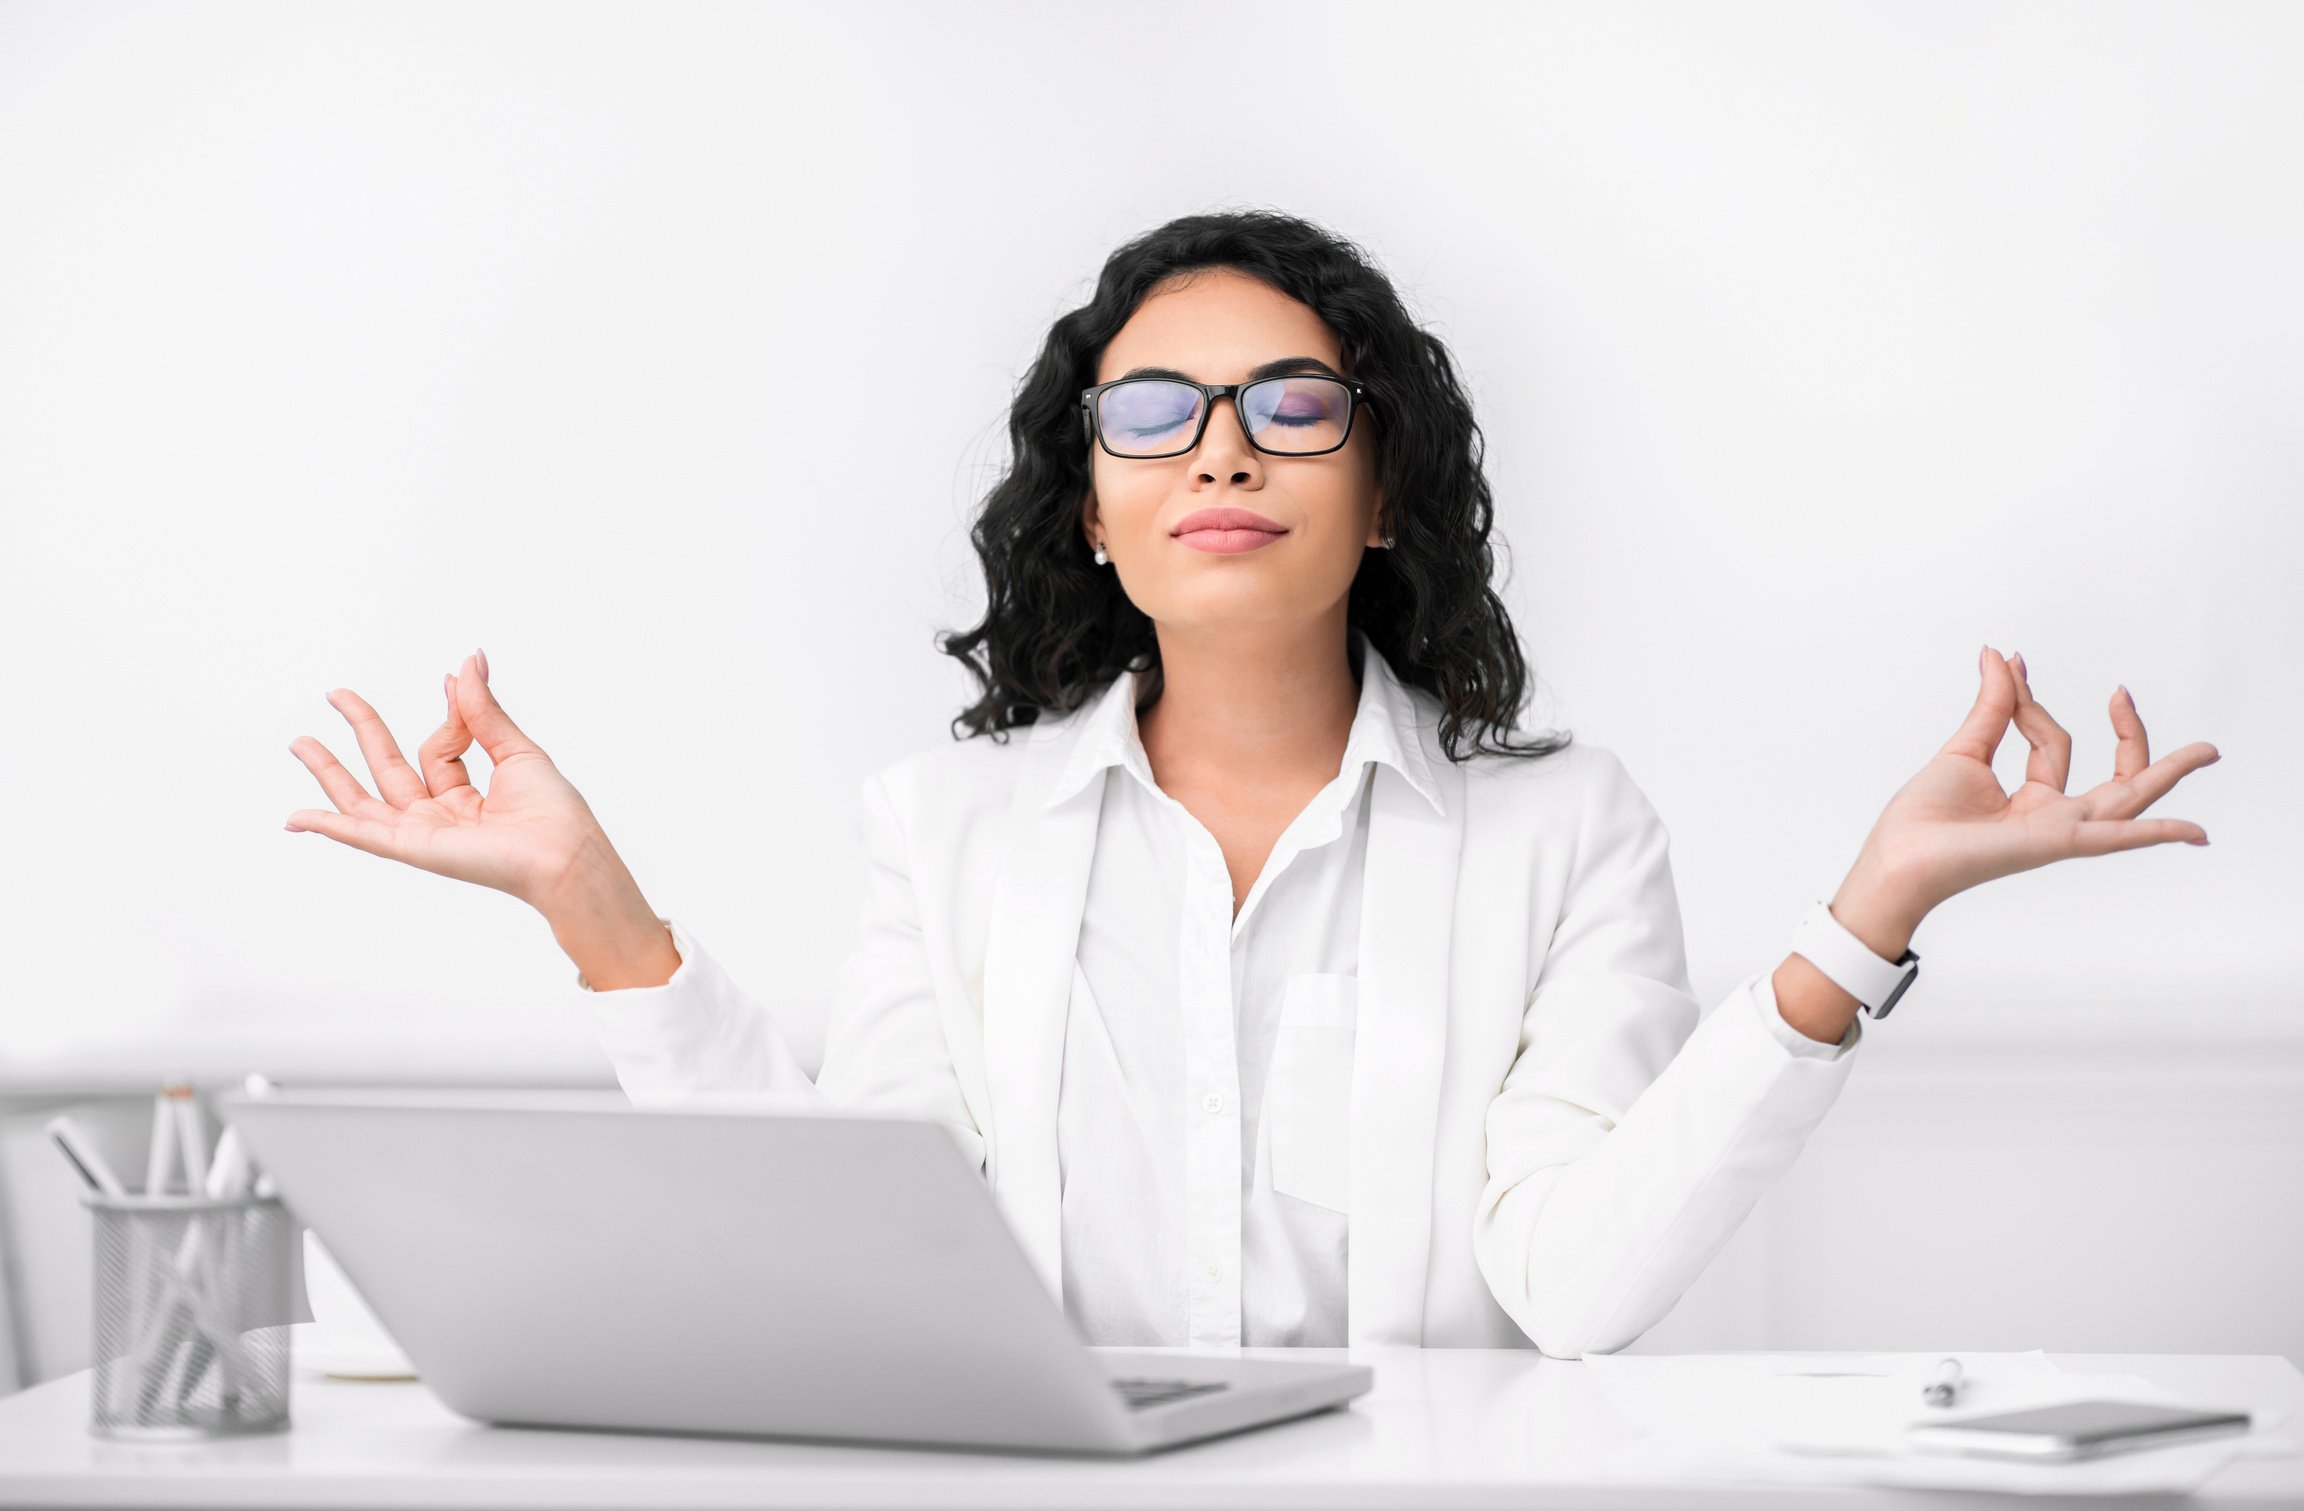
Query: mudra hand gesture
[[1951, 827], [531, 834], [526, 836]]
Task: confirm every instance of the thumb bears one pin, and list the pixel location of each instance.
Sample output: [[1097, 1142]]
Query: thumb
[[441, 757], [486, 718], [1981, 732]]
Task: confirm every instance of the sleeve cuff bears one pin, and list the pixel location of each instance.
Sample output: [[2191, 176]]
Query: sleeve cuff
[[1763, 994]]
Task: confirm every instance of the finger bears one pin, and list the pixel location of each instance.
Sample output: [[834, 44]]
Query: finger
[[371, 835], [1979, 735], [342, 787], [442, 754], [2116, 798], [486, 718], [397, 782], [2104, 835], [2051, 758], [2134, 751]]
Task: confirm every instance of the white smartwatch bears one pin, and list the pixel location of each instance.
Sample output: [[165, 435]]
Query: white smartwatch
[[1874, 982]]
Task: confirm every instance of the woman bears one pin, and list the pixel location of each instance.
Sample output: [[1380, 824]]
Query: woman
[[1277, 1001]]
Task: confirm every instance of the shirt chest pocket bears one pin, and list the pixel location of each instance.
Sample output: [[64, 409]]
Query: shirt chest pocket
[[1308, 1096]]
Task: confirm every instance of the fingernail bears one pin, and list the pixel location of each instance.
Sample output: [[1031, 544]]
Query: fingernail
[[483, 655], [448, 687], [1981, 657], [291, 828], [2196, 842]]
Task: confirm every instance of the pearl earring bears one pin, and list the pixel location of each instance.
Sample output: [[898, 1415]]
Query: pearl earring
[[1101, 558], [1387, 542]]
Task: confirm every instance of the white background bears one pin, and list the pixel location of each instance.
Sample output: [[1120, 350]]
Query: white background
[[1815, 345]]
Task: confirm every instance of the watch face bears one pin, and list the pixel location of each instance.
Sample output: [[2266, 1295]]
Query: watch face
[[1911, 975]]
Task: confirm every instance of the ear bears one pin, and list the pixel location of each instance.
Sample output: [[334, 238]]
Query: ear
[[1377, 524], [1088, 517]]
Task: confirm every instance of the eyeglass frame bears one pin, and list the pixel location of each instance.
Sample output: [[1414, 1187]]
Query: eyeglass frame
[[1356, 399]]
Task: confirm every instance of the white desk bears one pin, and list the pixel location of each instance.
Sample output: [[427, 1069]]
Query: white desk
[[1442, 1428]]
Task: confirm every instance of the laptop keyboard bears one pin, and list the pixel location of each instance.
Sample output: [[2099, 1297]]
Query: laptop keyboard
[[1140, 1391]]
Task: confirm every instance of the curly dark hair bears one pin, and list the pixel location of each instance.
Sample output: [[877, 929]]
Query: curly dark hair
[[1057, 628]]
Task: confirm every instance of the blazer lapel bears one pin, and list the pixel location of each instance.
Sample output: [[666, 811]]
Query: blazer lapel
[[1039, 893], [1407, 910]]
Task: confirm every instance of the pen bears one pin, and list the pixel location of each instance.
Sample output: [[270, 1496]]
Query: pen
[[258, 1085], [84, 1157], [228, 1177], [141, 1300], [163, 1151], [1944, 1385], [191, 1138], [230, 1174]]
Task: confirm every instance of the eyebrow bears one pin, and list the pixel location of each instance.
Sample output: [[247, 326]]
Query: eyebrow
[[1277, 367]]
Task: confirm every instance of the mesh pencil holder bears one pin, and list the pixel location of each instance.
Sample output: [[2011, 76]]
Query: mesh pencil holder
[[191, 1305]]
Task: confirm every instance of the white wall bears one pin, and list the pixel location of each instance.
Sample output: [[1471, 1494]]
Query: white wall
[[1814, 344]]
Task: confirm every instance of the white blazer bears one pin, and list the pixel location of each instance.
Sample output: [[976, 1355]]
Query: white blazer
[[1546, 1145]]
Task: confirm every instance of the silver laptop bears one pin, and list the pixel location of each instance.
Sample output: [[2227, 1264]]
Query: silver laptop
[[729, 1265]]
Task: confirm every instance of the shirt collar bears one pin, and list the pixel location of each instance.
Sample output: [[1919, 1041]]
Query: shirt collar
[[1384, 728]]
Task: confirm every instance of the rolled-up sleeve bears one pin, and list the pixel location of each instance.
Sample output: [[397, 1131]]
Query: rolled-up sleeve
[[1633, 1133]]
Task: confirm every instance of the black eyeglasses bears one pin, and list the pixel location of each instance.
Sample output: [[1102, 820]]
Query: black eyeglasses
[[1141, 418]]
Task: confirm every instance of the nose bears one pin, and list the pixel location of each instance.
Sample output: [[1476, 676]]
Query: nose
[[1234, 443]]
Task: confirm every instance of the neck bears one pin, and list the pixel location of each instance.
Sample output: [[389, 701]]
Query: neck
[[1251, 706]]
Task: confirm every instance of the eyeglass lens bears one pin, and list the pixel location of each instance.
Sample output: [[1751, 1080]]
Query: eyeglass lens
[[1156, 416]]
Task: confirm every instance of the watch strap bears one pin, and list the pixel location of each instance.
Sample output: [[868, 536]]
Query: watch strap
[[1852, 965]]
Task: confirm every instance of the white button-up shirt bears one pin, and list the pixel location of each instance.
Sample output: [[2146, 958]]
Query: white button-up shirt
[[1175, 1229]]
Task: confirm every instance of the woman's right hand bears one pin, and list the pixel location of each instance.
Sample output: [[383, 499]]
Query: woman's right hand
[[528, 835]]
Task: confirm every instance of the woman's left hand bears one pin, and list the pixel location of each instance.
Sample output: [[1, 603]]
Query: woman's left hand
[[1951, 827]]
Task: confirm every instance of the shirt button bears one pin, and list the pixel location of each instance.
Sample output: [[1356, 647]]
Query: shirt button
[[1213, 1101], [1214, 1270]]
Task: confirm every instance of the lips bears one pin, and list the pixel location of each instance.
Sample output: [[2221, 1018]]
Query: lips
[[1226, 519]]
